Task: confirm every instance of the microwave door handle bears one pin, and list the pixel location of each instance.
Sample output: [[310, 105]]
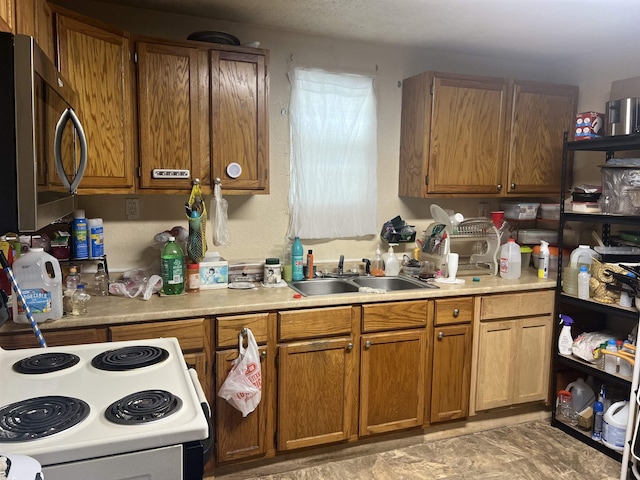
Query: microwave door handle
[[67, 115]]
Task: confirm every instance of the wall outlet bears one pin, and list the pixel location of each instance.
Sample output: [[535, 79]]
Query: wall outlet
[[132, 206]]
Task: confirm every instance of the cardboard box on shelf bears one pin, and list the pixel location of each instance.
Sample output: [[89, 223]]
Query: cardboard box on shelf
[[589, 125]]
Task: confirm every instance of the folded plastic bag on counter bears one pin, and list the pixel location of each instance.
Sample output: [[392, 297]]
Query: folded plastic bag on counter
[[243, 386], [585, 344], [137, 281]]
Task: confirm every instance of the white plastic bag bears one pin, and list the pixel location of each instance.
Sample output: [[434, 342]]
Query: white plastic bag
[[219, 206], [243, 386]]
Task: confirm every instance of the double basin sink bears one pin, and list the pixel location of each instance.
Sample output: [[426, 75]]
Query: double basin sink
[[334, 286]]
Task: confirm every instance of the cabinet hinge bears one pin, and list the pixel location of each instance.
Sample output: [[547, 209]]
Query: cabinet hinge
[[426, 179], [431, 89], [139, 171]]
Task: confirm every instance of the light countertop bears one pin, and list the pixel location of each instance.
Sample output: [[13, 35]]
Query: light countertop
[[103, 311]]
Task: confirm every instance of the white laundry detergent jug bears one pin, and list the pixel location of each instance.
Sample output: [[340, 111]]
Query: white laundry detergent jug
[[614, 425]]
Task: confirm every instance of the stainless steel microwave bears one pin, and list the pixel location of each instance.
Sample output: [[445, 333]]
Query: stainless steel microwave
[[42, 143]]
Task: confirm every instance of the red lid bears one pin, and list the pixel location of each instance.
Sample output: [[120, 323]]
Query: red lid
[[193, 266], [297, 295]]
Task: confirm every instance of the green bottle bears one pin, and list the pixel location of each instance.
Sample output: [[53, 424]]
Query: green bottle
[[172, 263], [297, 260]]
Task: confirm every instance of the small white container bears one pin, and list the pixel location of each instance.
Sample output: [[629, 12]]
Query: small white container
[[583, 283]]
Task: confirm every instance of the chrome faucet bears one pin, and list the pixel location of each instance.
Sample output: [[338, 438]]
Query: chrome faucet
[[341, 265]]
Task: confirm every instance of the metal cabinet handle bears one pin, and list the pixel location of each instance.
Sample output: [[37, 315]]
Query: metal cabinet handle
[[349, 346], [367, 344], [440, 335], [263, 354], [499, 187], [513, 186], [456, 312]]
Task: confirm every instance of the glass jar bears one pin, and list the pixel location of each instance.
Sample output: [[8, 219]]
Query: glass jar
[[193, 277], [79, 301]]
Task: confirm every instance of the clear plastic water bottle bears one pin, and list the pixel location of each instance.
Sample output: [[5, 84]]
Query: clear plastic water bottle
[[79, 301], [510, 260], [101, 281], [583, 283], [73, 279], [172, 265]]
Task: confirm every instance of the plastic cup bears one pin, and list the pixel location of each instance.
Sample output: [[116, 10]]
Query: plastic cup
[[452, 265], [497, 218]]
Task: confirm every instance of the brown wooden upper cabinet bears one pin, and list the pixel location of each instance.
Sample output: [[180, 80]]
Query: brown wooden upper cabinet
[[171, 112], [239, 132], [34, 18], [468, 135], [95, 58], [7, 16]]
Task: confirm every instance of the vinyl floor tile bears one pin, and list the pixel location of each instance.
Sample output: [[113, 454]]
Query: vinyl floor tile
[[528, 451]]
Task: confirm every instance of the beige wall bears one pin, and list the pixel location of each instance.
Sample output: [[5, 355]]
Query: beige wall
[[258, 224]]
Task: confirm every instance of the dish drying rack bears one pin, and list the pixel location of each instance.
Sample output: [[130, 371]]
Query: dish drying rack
[[476, 240]]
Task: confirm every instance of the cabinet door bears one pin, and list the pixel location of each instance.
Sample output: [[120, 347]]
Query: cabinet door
[[7, 15], [467, 135], [239, 120], [316, 392], [540, 115], [532, 359], [170, 110], [392, 381], [239, 437], [97, 62], [496, 345], [34, 18], [451, 372]]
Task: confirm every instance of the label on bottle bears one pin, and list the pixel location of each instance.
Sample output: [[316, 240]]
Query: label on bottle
[[96, 247], [298, 271], [38, 299], [80, 239], [172, 271]]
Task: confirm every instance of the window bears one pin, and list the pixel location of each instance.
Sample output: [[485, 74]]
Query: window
[[333, 192]]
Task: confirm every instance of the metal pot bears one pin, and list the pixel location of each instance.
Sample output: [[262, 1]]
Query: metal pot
[[623, 116]]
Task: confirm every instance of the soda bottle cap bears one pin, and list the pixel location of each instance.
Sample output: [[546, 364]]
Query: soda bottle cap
[[172, 239]]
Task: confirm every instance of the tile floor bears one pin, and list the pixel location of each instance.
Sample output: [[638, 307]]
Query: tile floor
[[528, 451]]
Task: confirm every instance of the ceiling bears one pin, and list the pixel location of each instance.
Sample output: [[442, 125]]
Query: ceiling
[[536, 30]]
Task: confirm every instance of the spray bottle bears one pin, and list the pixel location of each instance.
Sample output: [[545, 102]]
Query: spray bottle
[[565, 341], [543, 260]]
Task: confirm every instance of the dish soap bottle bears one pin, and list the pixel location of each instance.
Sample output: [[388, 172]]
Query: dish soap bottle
[[392, 265], [377, 266], [565, 341], [297, 260]]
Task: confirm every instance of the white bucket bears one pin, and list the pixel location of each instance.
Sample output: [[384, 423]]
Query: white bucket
[[39, 277], [614, 425]]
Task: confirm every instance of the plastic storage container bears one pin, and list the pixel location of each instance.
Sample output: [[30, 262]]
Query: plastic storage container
[[519, 210], [614, 425], [39, 277], [550, 211]]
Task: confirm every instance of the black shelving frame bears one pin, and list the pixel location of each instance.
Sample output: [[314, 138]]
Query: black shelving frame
[[607, 145]]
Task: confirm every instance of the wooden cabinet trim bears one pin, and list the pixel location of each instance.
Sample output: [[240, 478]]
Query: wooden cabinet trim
[[314, 322], [453, 310], [228, 328], [516, 305], [395, 315], [191, 334]]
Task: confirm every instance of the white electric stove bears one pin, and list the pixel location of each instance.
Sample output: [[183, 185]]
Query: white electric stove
[[105, 411]]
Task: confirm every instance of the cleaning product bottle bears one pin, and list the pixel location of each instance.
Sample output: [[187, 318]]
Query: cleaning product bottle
[[614, 425], [297, 260], [392, 265], [565, 340], [172, 265], [510, 260], [598, 413], [310, 264], [80, 233], [583, 283], [377, 265], [543, 260]]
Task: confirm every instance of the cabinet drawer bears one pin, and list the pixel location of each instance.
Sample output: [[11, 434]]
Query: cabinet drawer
[[190, 333], [394, 315], [517, 305], [315, 322], [228, 328], [55, 338], [454, 310]]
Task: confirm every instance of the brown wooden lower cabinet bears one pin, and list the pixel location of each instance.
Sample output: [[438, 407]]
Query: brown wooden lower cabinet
[[514, 349], [54, 338]]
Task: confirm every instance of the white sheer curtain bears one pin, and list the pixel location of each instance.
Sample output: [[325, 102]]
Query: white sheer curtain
[[334, 155]]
